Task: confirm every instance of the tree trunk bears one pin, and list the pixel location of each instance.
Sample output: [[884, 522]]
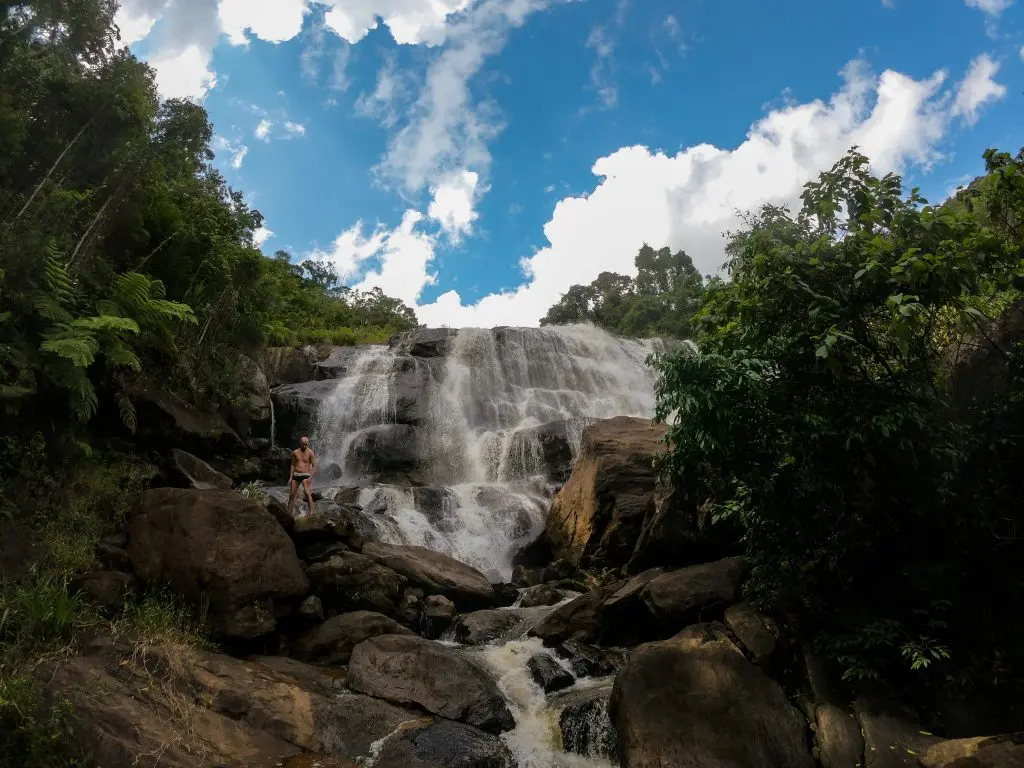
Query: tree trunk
[[49, 173]]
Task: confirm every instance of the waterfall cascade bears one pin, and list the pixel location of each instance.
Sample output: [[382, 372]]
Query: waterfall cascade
[[456, 438]]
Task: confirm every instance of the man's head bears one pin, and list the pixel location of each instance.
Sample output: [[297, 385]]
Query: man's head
[[304, 441]]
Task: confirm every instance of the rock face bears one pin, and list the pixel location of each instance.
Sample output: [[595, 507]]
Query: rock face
[[411, 670], [482, 627], [695, 702], [597, 517], [296, 406], [209, 709], [196, 473], [332, 642], [984, 752], [348, 581], [108, 590], [579, 619], [222, 545], [439, 743], [584, 722], [435, 573]]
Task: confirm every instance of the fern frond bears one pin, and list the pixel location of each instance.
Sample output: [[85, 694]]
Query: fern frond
[[129, 417], [49, 308], [108, 307], [83, 397], [109, 323], [120, 355], [55, 276], [173, 310], [79, 348], [11, 392]]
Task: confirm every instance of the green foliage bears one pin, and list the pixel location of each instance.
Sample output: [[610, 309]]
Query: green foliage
[[123, 252], [818, 413], [658, 302]]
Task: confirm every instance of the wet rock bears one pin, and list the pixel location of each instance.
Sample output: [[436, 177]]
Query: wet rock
[[411, 670], [425, 342], [410, 606], [439, 743], [311, 609], [584, 722], [332, 642], [1006, 751], [220, 544], [694, 700], [597, 516], [435, 573], [337, 364], [505, 595], [548, 673], [523, 576], [195, 473], [758, 633], [296, 407], [589, 660], [385, 451], [542, 594], [438, 614], [579, 619], [481, 627], [320, 551], [556, 449], [534, 556], [352, 582], [108, 590]]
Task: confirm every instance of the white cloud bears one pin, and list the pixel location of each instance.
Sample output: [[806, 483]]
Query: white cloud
[[294, 129], [273, 21], [261, 235], [262, 131], [235, 149], [687, 200], [445, 130], [452, 204], [602, 70], [991, 7], [183, 33], [403, 254], [185, 74], [1022, 53], [977, 88]]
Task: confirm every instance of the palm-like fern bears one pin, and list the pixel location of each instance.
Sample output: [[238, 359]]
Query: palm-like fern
[[74, 341]]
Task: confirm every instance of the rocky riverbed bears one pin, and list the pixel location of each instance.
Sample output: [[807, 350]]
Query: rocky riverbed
[[494, 578]]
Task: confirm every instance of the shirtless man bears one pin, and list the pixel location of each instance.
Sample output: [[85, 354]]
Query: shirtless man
[[303, 468]]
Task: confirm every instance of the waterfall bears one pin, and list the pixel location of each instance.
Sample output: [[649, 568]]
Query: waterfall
[[449, 435], [273, 425]]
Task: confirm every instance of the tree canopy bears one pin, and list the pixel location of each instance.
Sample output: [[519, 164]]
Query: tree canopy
[[659, 301], [123, 251], [823, 413]]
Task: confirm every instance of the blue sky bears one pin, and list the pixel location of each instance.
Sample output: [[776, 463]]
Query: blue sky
[[478, 157]]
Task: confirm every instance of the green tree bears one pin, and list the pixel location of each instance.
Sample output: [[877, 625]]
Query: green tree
[[817, 414]]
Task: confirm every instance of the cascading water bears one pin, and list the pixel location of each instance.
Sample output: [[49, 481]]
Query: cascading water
[[468, 429]]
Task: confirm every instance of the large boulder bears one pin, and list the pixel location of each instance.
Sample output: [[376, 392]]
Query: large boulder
[[1006, 751], [694, 701], [597, 516], [296, 407], [179, 707], [579, 619], [893, 738], [168, 421], [289, 365], [425, 342], [220, 545], [438, 743], [193, 472], [435, 574], [411, 670], [332, 642], [584, 722], [677, 532], [107, 590], [348, 581]]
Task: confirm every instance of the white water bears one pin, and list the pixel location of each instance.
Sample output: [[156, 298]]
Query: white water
[[478, 414]]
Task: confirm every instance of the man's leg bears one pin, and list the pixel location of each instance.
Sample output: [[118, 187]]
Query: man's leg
[[308, 485], [291, 497]]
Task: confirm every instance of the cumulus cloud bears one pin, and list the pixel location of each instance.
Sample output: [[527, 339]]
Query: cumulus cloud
[[452, 203], [991, 7], [183, 33], [294, 129], [235, 150], [261, 235], [403, 256], [688, 199], [977, 89], [262, 131]]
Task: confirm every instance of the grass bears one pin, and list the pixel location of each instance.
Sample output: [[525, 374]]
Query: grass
[[40, 619]]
